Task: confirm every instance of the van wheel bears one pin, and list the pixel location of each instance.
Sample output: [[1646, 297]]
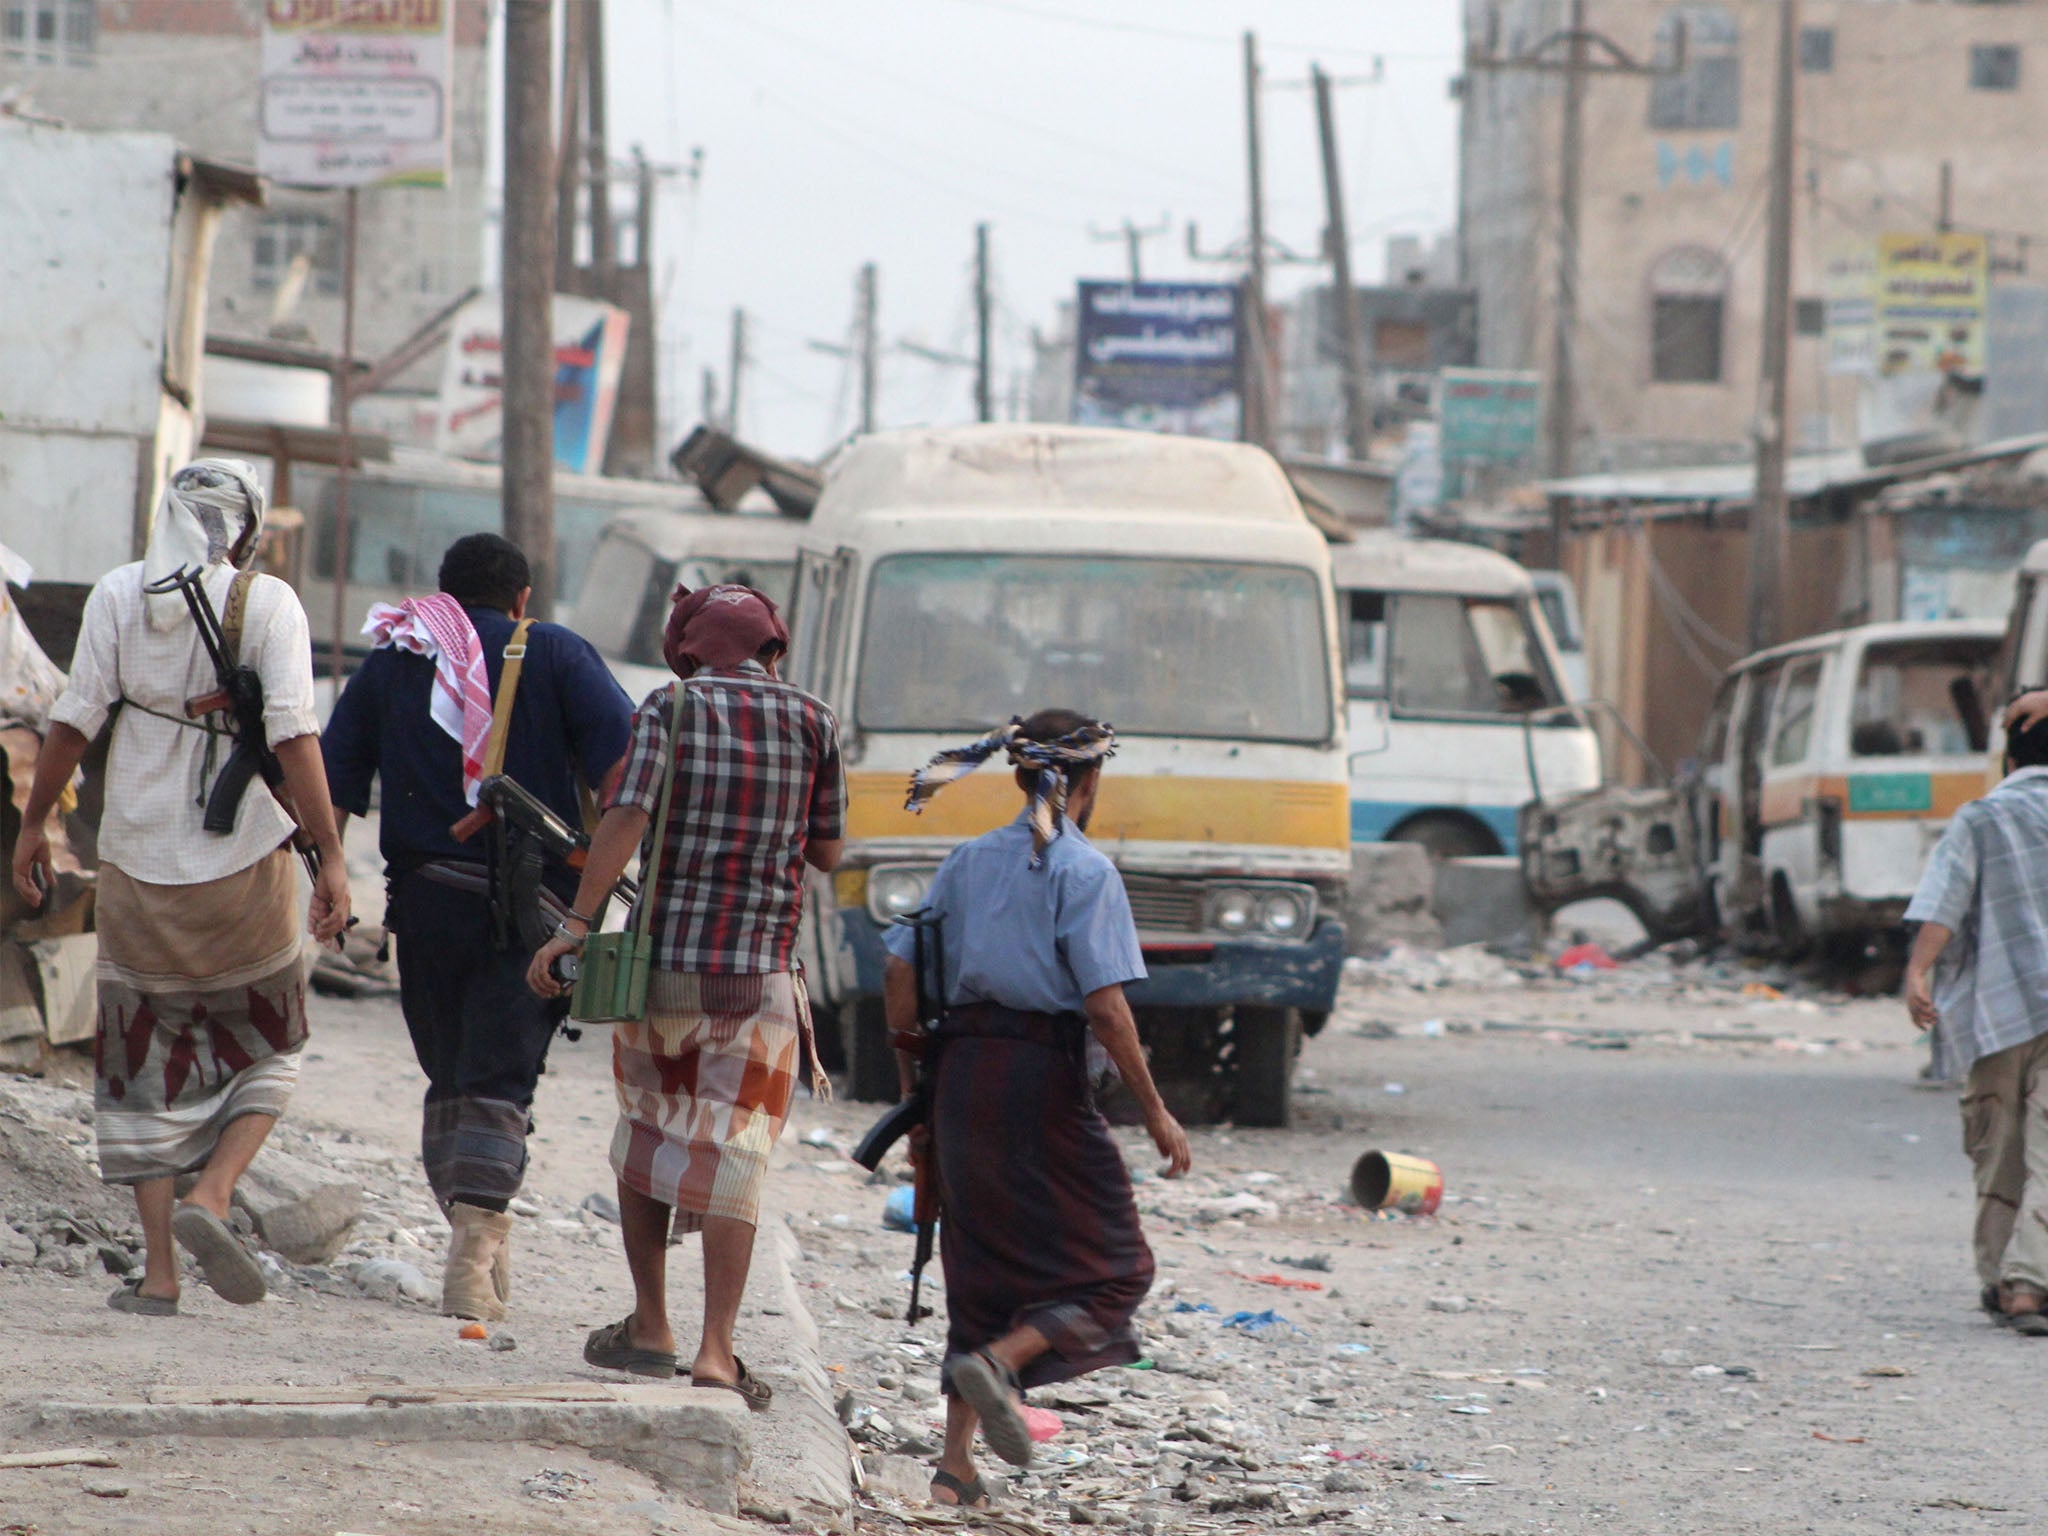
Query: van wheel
[[1447, 837], [1788, 934], [870, 1062], [1264, 1043], [1181, 1047]]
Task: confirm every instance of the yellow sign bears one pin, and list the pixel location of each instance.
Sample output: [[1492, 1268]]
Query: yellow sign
[[1931, 298]]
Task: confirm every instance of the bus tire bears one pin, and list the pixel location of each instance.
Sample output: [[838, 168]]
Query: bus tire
[[1788, 934], [1447, 836], [870, 1061], [1264, 1043]]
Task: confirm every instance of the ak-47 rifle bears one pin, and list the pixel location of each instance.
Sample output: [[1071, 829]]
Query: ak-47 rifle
[[916, 1110], [528, 834], [238, 696]]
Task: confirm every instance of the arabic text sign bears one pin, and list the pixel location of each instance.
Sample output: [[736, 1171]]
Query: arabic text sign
[[1161, 357], [590, 351], [355, 92], [1930, 303], [1849, 286], [1488, 415]]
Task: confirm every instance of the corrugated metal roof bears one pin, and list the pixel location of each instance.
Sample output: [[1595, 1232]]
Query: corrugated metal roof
[[1806, 476]]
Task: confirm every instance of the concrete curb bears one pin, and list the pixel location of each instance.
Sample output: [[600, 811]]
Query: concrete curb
[[694, 1442], [822, 1473]]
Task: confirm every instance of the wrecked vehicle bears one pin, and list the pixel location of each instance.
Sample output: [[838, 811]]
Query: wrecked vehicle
[[1826, 771]]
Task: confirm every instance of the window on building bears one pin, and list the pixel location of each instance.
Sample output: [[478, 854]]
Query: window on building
[[1817, 50], [1809, 317], [1995, 67], [1705, 90], [48, 31], [284, 235], [1688, 295]]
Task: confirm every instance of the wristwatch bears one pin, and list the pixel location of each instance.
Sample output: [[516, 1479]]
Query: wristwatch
[[562, 930]]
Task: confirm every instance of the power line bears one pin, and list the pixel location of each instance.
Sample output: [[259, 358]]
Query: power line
[[1182, 35]]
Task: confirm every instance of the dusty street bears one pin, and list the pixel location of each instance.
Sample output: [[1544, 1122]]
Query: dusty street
[[1701, 1266]]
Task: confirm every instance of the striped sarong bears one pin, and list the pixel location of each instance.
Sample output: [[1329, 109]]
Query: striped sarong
[[202, 1011], [704, 1086]]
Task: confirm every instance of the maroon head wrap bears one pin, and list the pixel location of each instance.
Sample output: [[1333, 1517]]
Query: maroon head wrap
[[719, 626]]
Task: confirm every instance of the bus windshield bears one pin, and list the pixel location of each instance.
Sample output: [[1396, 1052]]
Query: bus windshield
[[1156, 647]]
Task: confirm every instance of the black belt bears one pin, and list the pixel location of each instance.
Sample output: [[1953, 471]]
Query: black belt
[[993, 1021]]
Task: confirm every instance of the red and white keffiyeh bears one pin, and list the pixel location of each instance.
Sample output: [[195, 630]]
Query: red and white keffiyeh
[[437, 628]]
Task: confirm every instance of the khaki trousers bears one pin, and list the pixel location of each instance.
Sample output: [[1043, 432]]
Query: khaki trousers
[[2005, 1131]]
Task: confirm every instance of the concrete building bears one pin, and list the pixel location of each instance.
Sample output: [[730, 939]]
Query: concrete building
[[1412, 330], [189, 69], [1895, 102]]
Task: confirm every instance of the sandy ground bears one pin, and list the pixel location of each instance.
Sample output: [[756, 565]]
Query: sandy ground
[[1703, 1266]]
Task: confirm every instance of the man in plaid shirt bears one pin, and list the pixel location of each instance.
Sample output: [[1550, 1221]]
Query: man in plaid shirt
[[706, 1078]]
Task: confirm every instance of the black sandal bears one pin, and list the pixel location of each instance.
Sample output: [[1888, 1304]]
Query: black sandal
[[755, 1392], [611, 1348], [972, 1494], [992, 1390]]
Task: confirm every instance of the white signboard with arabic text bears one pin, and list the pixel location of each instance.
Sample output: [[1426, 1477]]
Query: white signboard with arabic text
[[355, 92]]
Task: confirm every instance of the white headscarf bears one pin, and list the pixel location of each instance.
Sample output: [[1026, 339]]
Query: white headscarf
[[211, 514]]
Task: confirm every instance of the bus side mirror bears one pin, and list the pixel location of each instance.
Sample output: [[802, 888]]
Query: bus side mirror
[[1969, 703], [1378, 738]]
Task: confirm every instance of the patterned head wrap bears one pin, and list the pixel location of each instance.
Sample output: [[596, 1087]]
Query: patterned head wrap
[[1048, 760]]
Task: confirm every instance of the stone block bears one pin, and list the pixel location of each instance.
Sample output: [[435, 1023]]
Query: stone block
[[300, 1209], [694, 1441], [1483, 901], [1392, 885]]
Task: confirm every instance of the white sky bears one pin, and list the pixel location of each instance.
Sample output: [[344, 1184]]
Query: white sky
[[841, 131]]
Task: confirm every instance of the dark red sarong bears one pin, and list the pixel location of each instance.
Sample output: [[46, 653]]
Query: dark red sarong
[[1038, 1224]]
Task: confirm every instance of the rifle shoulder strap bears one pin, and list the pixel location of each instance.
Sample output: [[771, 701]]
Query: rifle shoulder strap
[[501, 707], [237, 610]]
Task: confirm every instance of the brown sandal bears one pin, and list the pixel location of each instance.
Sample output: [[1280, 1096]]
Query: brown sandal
[[972, 1494], [756, 1393]]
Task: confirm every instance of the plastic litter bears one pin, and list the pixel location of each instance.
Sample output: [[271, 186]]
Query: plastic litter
[[1589, 956], [1042, 1423], [1319, 1262], [1192, 1306], [1762, 990], [1258, 1324], [1283, 1281]]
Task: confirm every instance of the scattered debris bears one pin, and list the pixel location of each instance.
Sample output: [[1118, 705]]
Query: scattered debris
[[554, 1485], [82, 1456]]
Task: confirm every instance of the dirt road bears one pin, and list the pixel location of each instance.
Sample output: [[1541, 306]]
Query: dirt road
[[1702, 1268]]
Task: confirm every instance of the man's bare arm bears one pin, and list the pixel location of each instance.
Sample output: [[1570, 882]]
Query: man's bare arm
[[822, 853], [1110, 1018], [1928, 944], [58, 760], [899, 1008]]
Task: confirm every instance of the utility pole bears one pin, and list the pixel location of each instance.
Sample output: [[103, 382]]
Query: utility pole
[[707, 399], [527, 259], [1133, 236], [1769, 513], [736, 371], [984, 405], [598, 165], [1564, 383], [1584, 53], [1945, 208], [1258, 415], [867, 345], [570, 156], [1357, 412]]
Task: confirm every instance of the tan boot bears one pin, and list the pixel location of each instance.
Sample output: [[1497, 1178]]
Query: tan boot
[[466, 1287], [501, 1267]]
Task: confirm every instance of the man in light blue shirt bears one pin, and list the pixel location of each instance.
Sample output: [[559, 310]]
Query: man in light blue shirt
[[1045, 1263]]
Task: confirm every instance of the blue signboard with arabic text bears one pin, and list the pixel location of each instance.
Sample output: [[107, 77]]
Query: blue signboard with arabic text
[[1160, 357]]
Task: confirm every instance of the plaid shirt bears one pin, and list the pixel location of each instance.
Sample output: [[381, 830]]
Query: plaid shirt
[[757, 777], [1984, 884]]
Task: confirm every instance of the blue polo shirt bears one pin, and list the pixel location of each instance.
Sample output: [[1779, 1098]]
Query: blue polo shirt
[[569, 715], [1038, 940]]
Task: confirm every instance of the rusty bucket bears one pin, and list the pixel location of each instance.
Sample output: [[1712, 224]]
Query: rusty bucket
[[1394, 1181]]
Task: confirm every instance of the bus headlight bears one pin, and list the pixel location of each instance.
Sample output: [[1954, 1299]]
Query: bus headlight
[[1233, 911], [1283, 914], [897, 890], [1274, 911]]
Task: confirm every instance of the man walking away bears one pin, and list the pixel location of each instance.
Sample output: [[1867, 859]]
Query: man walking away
[[1045, 1263], [420, 716], [1978, 977], [706, 1078], [202, 1004]]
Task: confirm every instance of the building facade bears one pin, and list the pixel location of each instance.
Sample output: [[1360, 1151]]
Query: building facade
[[189, 68], [1907, 114]]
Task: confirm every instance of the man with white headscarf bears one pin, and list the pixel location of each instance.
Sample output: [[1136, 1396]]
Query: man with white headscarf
[[202, 1008]]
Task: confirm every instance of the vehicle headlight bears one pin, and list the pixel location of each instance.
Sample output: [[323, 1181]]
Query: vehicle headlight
[[1233, 911], [897, 890], [1283, 914]]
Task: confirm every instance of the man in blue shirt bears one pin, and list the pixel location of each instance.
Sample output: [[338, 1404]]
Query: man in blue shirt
[[415, 716], [1044, 1259]]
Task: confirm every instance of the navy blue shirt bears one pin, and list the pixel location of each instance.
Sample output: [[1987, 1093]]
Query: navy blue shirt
[[569, 715]]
